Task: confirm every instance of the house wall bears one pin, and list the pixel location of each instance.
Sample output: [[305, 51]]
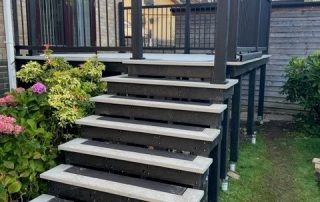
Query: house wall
[[3, 63]]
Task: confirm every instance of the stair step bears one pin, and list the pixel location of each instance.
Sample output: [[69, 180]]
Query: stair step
[[204, 114], [196, 90], [188, 163], [147, 163], [168, 136], [48, 198], [99, 183], [203, 71], [153, 128], [161, 104], [165, 82]]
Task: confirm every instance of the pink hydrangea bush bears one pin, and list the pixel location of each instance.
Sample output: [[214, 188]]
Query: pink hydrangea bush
[[7, 101], [9, 126]]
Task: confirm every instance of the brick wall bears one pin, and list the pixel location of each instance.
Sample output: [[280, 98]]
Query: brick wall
[[3, 64], [107, 19]]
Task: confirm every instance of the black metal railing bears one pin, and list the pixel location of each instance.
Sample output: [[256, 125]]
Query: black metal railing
[[67, 25], [226, 27], [175, 28]]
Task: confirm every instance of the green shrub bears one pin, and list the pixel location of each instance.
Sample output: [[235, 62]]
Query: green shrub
[[23, 156], [47, 111], [303, 87], [69, 88]]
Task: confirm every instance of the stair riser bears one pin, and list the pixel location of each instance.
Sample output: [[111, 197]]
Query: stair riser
[[135, 169], [82, 194], [170, 71], [179, 116], [213, 95], [196, 147]]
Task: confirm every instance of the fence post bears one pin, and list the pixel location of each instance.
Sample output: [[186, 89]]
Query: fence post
[[137, 38], [233, 30], [218, 72], [122, 40], [187, 27]]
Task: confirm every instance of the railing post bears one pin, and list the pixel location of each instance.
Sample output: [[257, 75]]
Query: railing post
[[15, 25], [187, 27], [32, 21], [122, 40], [218, 74], [258, 10], [137, 38], [233, 30]]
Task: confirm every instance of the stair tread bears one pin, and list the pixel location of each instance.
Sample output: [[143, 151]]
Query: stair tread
[[171, 130], [162, 104], [121, 185], [48, 198], [165, 82], [176, 161], [173, 62]]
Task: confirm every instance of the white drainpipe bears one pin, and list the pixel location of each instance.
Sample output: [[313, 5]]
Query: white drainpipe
[[8, 24]]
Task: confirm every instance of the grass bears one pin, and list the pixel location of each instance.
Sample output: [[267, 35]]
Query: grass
[[278, 168]]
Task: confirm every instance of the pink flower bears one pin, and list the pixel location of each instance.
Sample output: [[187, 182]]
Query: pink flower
[[18, 129], [20, 90], [7, 100], [39, 88], [7, 119], [8, 126]]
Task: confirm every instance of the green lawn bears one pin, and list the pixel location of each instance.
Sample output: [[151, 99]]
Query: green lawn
[[278, 168]]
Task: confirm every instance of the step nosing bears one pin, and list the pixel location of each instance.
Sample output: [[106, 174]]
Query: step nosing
[[160, 104], [119, 185], [201, 134], [166, 82], [193, 164]]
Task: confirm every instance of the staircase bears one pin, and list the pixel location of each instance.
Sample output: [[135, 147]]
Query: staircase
[[156, 136]]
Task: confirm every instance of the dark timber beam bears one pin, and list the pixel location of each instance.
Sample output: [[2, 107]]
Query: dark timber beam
[[214, 175], [261, 93], [137, 38], [250, 119], [122, 40], [235, 123], [224, 142], [233, 30], [187, 28], [218, 74]]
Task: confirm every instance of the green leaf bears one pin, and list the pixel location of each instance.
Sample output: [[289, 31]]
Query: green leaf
[[8, 164], [36, 155], [25, 174], [7, 147], [14, 187], [8, 180]]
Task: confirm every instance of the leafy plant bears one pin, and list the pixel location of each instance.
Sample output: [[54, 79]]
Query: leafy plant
[[42, 117], [27, 151], [303, 87], [69, 88]]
